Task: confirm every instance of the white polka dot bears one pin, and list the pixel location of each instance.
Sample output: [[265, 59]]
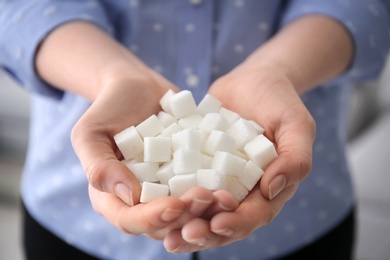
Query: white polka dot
[[344, 3], [322, 215], [238, 48], [351, 26], [105, 250], [17, 17], [302, 203], [74, 202], [306, 8], [190, 27], [308, 238], [239, 3], [55, 214], [76, 169], [336, 191], [272, 249], [320, 111], [157, 27], [92, 4], [319, 181], [58, 147], [89, 226], [192, 81], [373, 9], [289, 227], [58, 180], [19, 53], [263, 27], [49, 10], [188, 70], [125, 238], [134, 48], [86, 17], [318, 147], [372, 41], [215, 69], [355, 72], [252, 238], [133, 3], [332, 158], [158, 68], [44, 158], [196, 2]]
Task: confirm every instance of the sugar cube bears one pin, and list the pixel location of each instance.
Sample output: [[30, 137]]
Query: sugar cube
[[250, 175], [218, 141], [179, 184], [182, 104], [209, 104], [242, 131], [227, 163], [261, 151], [150, 127], [151, 191], [213, 121], [211, 179], [166, 119], [129, 142], [165, 101], [144, 171], [237, 189], [165, 172], [191, 121], [170, 130], [186, 161], [157, 149], [230, 116], [188, 138]]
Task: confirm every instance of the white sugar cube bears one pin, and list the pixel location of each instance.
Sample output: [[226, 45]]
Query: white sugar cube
[[228, 164], [150, 127], [242, 131], [179, 184], [166, 119], [165, 172], [170, 130], [151, 191], [230, 116], [260, 130], [240, 154], [209, 104], [206, 161], [218, 141], [144, 171], [237, 189], [129, 142], [165, 101], [186, 161], [211, 179], [213, 121], [191, 121], [188, 138], [157, 149], [261, 151], [250, 175], [182, 104]]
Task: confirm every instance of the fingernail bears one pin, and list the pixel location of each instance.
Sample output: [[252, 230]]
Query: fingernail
[[276, 186], [198, 205], [124, 193], [170, 214], [226, 232]]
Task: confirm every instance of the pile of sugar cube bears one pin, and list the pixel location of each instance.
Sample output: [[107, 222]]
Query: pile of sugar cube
[[188, 145]]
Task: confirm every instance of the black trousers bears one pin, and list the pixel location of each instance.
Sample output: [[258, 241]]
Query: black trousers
[[40, 244]]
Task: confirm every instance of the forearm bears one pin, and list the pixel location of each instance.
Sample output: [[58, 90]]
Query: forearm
[[309, 51], [81, 58]]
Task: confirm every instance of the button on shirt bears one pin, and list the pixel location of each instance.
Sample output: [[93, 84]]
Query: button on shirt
[[191, 43]]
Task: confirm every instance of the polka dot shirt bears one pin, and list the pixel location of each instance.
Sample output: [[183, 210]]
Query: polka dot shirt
[[191, 43]]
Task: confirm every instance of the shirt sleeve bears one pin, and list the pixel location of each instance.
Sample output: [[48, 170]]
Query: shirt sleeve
[[367, 22], [25, 23]]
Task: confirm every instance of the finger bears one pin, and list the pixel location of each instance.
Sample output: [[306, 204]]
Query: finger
[[223, 201], [139, 219], [254, 212], [198, 199]]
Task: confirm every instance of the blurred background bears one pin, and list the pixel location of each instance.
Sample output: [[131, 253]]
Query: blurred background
[[369, 152]]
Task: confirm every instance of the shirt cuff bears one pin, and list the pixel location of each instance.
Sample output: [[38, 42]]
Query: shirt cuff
[[367, 22], [27, 23]]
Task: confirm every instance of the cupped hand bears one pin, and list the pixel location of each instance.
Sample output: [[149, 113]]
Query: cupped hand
[[270, 99]]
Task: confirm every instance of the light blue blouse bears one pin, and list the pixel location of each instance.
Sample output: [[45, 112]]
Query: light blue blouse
[[190, 42]]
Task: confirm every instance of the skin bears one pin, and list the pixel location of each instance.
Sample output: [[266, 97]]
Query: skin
[[124, 92]]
